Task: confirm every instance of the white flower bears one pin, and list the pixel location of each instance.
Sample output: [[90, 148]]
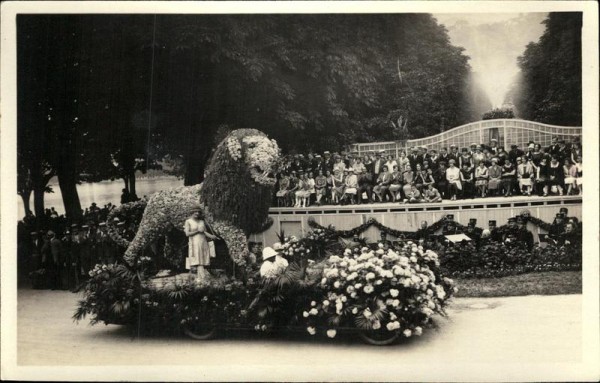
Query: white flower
[[431, 305], [418, 331], [395, 303], [441, 293], [376, 325], [370, 276], [368, 289], [313, 303], [367, 313], [305, 314], [339, 307], [311, 330], [313, 311], [343, 298], [355, 311], [358, 286], [335, 259], [349, 289], [347, 252], [380, 245], [325, 303], [323, 281], [353, 294], [343, 263], [391, 326], [336, 284], [380, 251], [413, 259], [394, 293], [407, 333], [430, 292], [378, 282], [393, 316], [331, 333]]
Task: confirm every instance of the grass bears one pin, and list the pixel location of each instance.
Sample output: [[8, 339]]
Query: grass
[[545, 283]]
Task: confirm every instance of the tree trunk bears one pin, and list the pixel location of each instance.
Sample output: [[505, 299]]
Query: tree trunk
[[26, 197], [126, 182], [132, 183], [68, 189], [38, 201]]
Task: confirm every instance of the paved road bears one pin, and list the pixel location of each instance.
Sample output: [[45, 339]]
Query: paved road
[[478, 330]]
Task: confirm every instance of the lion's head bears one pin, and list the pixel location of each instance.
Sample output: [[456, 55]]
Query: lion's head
[[240, 177], [258, 153]]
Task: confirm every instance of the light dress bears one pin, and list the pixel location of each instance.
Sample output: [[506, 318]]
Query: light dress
[[198, 249]]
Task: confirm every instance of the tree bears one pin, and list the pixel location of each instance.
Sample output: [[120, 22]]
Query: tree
[[498, 113], [549, 85]]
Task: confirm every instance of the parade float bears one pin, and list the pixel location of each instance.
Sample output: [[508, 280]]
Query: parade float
[[325, 286]]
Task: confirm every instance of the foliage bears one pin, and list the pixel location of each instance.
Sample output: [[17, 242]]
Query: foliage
[[394, 289], [499, 259], [549, 87], [498, 113]]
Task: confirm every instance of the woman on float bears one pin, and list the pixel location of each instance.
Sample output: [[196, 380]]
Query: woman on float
[[481, 179], [570, 173], [525, 175], [198, 248]]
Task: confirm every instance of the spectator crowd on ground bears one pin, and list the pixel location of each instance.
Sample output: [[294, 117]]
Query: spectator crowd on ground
[[426, 175]]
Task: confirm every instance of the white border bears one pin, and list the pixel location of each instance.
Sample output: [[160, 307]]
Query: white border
[[588, 370]]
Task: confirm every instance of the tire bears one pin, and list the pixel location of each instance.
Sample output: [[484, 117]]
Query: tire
[[379, 337], [200, 331]]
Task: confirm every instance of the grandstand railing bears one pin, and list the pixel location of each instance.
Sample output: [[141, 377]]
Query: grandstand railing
[[506, 131]]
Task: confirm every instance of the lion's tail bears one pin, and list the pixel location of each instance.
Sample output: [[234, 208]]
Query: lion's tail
[[131, 208]]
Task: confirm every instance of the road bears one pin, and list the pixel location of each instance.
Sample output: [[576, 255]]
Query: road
[[490, 331]]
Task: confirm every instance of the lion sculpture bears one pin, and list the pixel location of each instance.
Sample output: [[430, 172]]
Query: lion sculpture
[[234, 198]]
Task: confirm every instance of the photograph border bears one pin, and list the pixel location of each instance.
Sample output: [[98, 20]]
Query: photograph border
[[588, 369]]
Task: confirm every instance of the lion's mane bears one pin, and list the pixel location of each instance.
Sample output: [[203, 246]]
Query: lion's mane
[[230, 193]]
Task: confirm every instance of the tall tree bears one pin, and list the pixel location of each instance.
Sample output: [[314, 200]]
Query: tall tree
[[549, 85]]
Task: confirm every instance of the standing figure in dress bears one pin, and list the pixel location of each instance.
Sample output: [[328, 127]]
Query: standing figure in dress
[[198, 248]]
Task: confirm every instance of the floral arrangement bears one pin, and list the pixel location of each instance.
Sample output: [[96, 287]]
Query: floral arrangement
[[393, 290]]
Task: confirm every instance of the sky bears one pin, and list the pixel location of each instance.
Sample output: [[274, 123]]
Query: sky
[[493, 41]]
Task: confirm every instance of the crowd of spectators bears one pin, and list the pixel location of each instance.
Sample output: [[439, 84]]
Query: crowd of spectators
[[426, 175], [58, 253]]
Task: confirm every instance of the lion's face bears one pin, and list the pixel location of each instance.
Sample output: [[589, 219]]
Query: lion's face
[[260, 155]]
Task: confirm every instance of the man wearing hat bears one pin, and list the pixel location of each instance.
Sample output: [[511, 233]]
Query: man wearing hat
[[495, 233], [472, 231], [524, 235], [327, 162], [557, 227], [273, 263]]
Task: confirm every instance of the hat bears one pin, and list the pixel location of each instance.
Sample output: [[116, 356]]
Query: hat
[[513, 146], [381, 150], [317, 156], [492, 222], [75, 225], [493, 140], [532, 145], [525, 212], [268, 252], [473, 144], [50, 233], [560, 215], [84, 226], [564, 210], [450, 216], [326, 152], [33, 233], [494, 159], [116, 219], [472, 221], [519, 159], [512, 219], [102, 224], [277, 246]]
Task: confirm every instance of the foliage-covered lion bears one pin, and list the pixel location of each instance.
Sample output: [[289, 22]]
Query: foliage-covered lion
[[234, 198]]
